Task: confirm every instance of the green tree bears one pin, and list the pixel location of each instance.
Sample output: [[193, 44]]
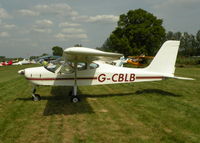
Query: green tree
[[44, 54], [33, 57], [2, 58], [173, 36], [138, 32], [198, 43], [78, 45], [57, 51], [188, 44]]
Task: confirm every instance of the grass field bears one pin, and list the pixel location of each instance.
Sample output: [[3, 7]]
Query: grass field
[[166, 111]]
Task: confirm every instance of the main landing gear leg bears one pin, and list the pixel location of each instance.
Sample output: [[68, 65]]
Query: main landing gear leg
[[74, 97], [35, 97]]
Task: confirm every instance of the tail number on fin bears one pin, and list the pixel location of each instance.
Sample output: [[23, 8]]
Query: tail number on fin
[[117, 77]]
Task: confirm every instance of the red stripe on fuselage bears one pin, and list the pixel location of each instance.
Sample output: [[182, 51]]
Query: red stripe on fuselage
[[149, 77], [79, 78], [94, 78]]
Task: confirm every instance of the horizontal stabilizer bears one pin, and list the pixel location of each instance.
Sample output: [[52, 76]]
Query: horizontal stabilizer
[[182, 78]]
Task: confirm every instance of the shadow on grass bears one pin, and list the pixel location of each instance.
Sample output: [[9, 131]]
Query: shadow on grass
[[156, 91], [60, 103], [107, 95]]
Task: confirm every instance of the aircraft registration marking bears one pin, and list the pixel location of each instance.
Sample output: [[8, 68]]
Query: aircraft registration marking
[[117, 77]]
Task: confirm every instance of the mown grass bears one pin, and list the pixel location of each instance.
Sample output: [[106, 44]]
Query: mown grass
[[182, 61], [165, 111]]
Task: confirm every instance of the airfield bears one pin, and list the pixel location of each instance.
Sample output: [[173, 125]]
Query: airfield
[[166, 111]]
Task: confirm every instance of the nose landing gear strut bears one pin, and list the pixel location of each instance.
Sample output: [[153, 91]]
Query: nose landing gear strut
[[35, 97]]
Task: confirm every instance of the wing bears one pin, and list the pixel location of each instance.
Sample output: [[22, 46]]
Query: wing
[[82, 54]]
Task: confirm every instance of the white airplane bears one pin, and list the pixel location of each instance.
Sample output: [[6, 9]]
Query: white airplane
[[23, 62], [83, 66]]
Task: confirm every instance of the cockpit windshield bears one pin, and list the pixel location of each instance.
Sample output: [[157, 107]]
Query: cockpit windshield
[[54, 65]]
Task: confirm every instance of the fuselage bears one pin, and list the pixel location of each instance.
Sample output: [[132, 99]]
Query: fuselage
[[102, 73]]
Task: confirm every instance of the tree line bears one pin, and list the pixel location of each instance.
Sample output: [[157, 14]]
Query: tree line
[[190, 44]]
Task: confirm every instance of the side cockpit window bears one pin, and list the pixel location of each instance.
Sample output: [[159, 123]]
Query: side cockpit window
[[60, 66], [86, 66], [81, 66], [93, 66]]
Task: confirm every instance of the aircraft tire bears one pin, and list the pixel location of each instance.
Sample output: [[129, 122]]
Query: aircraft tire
[[75, 99]]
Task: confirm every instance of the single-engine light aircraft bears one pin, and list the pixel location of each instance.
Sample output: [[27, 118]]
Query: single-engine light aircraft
[[84, 66]]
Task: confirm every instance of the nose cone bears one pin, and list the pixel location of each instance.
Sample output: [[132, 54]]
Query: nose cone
[[22, 72]]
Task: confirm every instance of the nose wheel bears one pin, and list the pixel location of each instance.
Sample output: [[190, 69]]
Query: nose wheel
[[35, 97]]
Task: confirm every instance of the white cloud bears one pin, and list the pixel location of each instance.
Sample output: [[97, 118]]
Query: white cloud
[[9, 26], [67, 24], [28, 12], [4, 13], [58, 9], [103, 18], [4, 34], [44, 22], [6, 26], [42, 26], [72, 30], [177, 4], [42, 30], [60, 36], [65, 37], [97, 18]]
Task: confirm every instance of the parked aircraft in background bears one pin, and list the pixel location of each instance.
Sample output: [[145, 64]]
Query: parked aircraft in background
[[138, 60], [6, 63], [84, 66], [47, 58], [23, 62], [120, 62]]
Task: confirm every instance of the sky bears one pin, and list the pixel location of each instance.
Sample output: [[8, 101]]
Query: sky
[[31, 28]]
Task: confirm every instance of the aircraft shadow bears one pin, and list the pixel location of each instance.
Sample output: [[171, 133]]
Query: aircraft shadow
[[138, 92], [107, 95], [59, 103], [156, 91]]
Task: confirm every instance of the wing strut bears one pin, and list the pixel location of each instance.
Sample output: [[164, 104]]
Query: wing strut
[[74, 98]]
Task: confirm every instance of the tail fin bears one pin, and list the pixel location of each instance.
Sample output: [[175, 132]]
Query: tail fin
[[164, 61]]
